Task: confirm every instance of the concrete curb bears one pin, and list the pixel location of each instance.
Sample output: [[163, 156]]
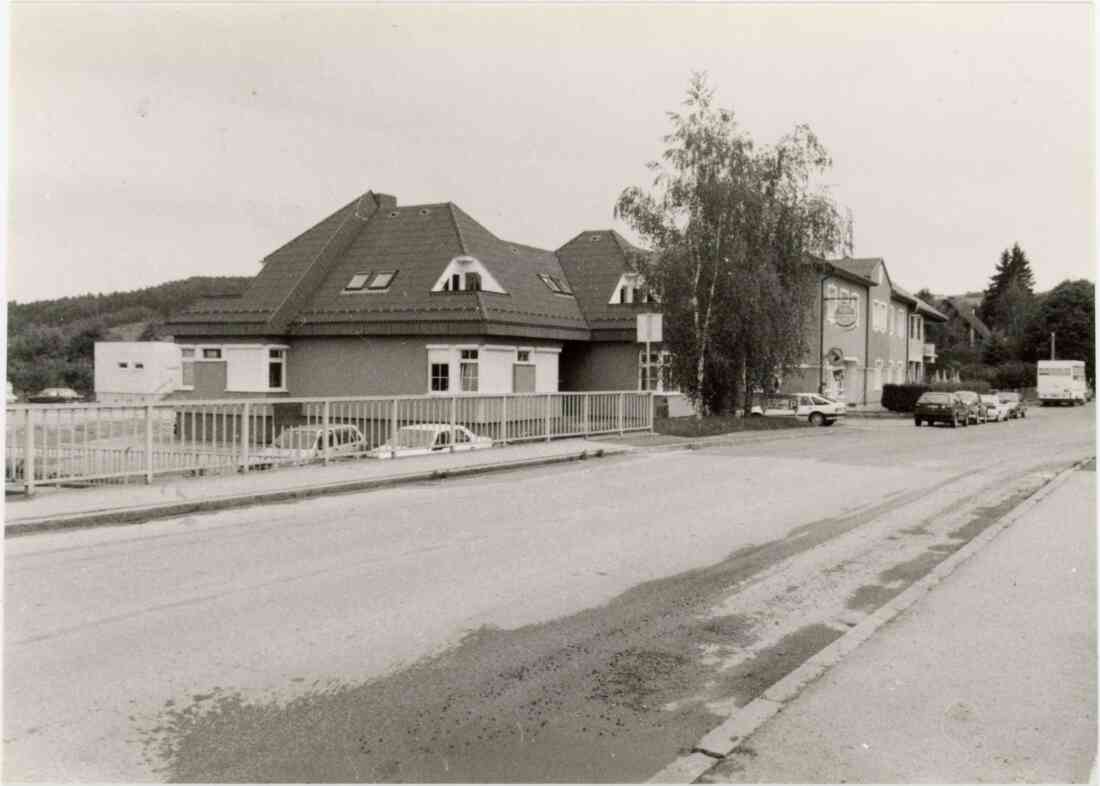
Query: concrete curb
[[723, 440], [721, 741], [145, 513]]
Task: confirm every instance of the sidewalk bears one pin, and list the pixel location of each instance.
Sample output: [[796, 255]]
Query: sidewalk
[[56, 508], [990, 677], [62, 508]]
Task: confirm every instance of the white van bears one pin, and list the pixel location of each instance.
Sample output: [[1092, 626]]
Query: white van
[[1062, 382]]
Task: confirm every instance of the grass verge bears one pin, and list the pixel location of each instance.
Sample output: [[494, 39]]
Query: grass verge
[[689, 426]]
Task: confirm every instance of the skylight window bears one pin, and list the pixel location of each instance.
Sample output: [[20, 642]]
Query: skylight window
[[357, 282], [564, 285], [551, 282], [382, 280], [372, 281]]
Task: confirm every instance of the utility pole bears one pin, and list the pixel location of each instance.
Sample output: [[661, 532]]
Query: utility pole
[[1052, 345]]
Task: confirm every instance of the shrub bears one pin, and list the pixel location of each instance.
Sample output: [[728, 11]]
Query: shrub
[[901, 398], [976, 385]]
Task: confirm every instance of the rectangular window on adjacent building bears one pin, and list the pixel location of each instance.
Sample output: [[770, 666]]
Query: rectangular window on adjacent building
[[211, 354], [468, 372], [276, 369], [441, 377], [187, 366]]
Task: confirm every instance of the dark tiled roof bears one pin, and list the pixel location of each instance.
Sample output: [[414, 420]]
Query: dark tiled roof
[[417, 241], [863, 267], [922, 307], [594, 261], [966, 312]]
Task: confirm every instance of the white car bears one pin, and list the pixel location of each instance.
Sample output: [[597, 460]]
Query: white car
[[817, 409], [427, 438], [299, 444], [995, 409]]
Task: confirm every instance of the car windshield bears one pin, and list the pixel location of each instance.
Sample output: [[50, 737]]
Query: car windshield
[[415, 438], [988, 399], [935, 398], [297, 439], [968, 395], [1008, 397]]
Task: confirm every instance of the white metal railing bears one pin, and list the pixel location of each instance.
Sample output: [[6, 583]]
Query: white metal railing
[[55, 444]]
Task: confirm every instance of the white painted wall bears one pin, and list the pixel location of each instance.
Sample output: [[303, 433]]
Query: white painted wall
[[546, 369], [136, 370]]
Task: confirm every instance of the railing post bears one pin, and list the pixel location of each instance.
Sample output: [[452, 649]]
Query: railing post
[[504, 420], [622, 403], [148, 443], [245, 424], [393, 428], [585, 414], [548, 417], [326, 435], [454, 409], [28, 452], [652, 407]]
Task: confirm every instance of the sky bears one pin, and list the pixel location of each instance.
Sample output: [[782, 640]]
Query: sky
[[150, 141]]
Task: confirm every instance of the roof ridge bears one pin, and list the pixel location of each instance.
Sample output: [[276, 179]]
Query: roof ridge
[[451, 206]]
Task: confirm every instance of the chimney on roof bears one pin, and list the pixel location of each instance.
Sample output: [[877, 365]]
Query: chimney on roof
[[385, 200]]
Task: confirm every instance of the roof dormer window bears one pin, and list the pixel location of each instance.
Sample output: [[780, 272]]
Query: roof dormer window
[[358, 281], [467, 274], [631, 289]]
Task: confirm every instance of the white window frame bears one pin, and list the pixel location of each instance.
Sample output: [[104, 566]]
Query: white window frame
[[465, 362], [280, 360]]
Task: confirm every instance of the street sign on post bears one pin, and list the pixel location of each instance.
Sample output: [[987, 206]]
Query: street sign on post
[[650, 328]]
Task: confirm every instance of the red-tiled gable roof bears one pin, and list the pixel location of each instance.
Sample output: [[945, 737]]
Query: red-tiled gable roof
[[594, 261]]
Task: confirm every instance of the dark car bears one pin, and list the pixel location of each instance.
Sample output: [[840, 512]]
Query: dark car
[[933, 407], [975, 409]]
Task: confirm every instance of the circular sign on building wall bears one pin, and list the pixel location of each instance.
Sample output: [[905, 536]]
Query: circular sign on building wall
[[845, 315]]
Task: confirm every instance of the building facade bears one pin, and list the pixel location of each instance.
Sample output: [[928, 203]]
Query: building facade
[[381, 299]]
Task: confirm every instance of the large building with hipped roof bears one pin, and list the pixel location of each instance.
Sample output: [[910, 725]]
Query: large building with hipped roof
[[387, 299]]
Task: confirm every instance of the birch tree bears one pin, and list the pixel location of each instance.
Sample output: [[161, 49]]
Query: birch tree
[[733, 230]]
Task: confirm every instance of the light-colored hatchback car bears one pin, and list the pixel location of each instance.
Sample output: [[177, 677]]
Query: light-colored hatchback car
[[427, 438], [300, 444]]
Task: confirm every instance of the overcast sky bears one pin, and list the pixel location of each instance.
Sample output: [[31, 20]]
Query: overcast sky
[[150, 142]]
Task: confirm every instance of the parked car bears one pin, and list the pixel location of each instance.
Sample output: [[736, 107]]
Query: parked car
[[975, 410], [940, 407], [427, 438], [299, 444], [1013, 403], [55, 396], [817, 409], [994, 410]]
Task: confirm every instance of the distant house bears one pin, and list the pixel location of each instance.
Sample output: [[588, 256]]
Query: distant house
[[382, 299], [963, 319], [866, 332]]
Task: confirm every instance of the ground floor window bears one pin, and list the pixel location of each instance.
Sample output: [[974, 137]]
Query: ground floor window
[[441, 373], [468, 370], [276, 369]]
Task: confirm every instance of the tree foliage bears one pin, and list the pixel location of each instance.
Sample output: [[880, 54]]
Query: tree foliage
[[732, 228], [51, 343], [1068, 311], [1010, 292]]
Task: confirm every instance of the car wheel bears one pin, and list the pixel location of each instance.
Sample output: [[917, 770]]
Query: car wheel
[[955, 421], [817, 419], [916, 422]]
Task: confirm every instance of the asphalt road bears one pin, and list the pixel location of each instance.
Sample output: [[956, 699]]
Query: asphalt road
[[579, 623]]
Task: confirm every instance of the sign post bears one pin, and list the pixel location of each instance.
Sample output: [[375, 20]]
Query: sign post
[[649, 329]]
